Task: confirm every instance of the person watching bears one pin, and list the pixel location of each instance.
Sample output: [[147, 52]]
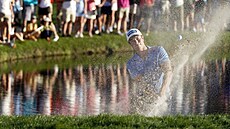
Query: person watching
[[46, 30]]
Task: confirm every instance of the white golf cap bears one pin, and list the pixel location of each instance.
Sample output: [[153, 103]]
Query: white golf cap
[[132, 32]]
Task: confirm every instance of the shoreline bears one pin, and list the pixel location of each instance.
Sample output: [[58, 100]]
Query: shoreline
[[105, 44]]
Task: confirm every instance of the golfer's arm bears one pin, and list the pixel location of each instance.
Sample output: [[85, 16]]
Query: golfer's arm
[[167, 69]]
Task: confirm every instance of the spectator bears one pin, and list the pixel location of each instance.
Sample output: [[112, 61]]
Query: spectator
[[31, 27], [177, 11], [123, 17], [166, 13], [91, 15], [28, 11], [114, 9], [80, 18], [6, 14], [46, 30], [106, 13], [59, 22], [18, 13], [35, 3], [69, 16], [15, 34], [189, 7], [98, 21], [146, 10], [200, 8], [132, 13], [45, 9], [157, 10]]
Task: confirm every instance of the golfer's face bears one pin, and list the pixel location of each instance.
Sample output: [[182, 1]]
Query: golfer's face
[[136, 41]]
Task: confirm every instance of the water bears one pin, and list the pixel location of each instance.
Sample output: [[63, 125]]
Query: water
[[106, 88], [198, 86]]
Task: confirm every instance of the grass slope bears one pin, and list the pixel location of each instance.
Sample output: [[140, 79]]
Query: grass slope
[[107, 43]]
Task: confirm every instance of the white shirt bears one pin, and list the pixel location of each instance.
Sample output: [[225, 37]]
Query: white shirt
[[5, 7], [97, 2], [69, 5], [45, 3]]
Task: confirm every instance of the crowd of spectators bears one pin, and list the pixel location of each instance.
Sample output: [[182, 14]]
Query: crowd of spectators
[[33, 19]]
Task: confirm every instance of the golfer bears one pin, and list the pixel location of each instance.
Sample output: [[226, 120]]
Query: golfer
[[149, 64]]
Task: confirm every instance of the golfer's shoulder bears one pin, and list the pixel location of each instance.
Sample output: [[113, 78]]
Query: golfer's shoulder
[[131, 61], [156, 48]]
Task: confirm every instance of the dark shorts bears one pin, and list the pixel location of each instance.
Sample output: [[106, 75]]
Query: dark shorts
[[177, 13], [188, 9], [106, 10], [4, 18], [98, 9], [44, 11], [46, 34], [146, 12]]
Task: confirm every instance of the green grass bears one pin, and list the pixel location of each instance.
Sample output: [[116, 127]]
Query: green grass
[[65, 46], [105, 44], [116, 121]]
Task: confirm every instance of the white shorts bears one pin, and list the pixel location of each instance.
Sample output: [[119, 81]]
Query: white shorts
[[29, 10], [69, 15], [91, 15], [114, 6], [123, 11]]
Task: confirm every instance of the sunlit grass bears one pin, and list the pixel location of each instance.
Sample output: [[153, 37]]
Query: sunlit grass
[[116, 121], [105, 44]]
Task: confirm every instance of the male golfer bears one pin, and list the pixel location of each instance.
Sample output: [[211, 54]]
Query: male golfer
[[150, 65]]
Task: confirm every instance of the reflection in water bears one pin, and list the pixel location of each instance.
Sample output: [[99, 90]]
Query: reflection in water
[[203, 88]]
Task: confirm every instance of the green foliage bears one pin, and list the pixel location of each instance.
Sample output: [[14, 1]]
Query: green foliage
[[116, 121]]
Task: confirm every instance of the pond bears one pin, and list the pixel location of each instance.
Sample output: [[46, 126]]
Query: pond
[[91, 89]]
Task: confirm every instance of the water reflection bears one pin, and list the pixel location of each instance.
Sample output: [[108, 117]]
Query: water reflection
[[203, 88]]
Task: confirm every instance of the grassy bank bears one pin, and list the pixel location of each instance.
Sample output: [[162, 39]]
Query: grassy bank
[[115, 122], [107, 44], [65, 46]]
